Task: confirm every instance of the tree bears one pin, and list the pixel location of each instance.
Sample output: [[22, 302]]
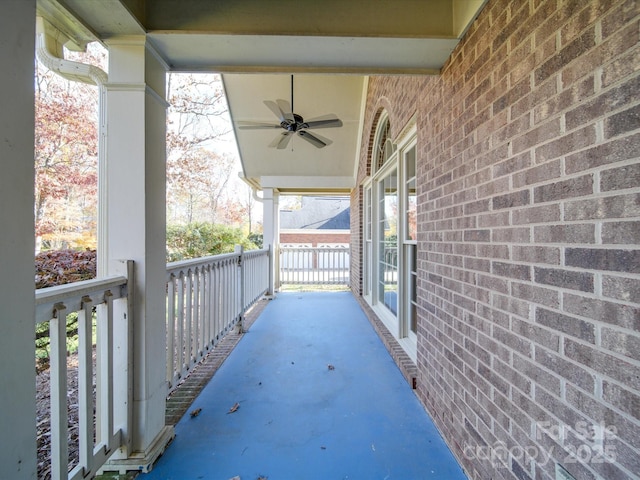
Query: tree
[[66, 141], [197, 175], [201, 185], [248, 202]]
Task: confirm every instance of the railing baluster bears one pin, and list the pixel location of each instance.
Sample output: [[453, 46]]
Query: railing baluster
[[179, 368], [229, 287], [58, 382], [171, 327], [206, 320], [230, 292], [104, 374], [223, 298], [220, 299], [196, 316], [85, 384], [188, 342], [216, 302]]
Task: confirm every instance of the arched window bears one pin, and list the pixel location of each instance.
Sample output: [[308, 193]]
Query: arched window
[[384, 148], [390, 234]]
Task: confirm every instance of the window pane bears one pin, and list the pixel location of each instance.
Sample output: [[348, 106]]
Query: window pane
[[367, 214], [411, 198], [388, 242], [413, 275]]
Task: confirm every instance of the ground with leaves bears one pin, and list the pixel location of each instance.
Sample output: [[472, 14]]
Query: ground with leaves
[[43, 417], [58, 267]]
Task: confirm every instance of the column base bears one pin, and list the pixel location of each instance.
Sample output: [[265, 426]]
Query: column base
[[141, 461]]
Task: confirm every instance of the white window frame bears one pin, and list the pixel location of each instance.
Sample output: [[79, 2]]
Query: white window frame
[[395, 158]]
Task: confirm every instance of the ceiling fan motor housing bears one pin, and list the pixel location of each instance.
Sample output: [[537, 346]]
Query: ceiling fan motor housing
[[295, 125]]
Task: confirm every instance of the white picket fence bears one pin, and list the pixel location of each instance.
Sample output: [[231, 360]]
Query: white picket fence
[[314, 265]]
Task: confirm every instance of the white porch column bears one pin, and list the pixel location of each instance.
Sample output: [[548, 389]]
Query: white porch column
[[271, 232], [17, 244], [136, 224]]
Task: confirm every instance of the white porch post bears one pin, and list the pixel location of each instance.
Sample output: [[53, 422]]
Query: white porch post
[[136, 224], [17, 244], [271, 233]]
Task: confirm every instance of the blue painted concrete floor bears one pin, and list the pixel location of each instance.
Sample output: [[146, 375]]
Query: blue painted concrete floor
[[318, 397]]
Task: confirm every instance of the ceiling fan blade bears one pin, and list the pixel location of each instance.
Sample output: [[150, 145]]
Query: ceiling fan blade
[[329, 123], [257, 126], [275, 109], [315, 140], [285, 107], [281, 141]]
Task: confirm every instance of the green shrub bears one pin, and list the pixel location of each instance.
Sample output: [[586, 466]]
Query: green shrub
[[195, 240], [257, 238]]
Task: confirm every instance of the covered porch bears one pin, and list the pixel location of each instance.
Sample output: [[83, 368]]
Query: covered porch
[[156, 321], [318, 397], [491, 151]]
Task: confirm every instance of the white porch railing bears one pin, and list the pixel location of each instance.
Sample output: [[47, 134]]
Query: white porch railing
[[207, 297], [314, 265], [98, 436]]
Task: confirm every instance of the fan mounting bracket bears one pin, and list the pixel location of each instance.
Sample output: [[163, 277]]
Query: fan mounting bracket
[[294, 125]]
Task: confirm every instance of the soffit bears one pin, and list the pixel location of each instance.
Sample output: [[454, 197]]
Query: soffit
[[266, 41]]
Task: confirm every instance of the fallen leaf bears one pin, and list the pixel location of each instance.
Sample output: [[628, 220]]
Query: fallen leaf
[[235, 407], [331, 367], [196, 412]]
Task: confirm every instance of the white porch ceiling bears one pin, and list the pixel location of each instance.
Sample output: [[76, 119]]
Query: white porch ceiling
[[301, 166], [331, 46]]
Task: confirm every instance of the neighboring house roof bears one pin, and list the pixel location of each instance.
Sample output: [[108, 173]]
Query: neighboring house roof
[[318, 213]]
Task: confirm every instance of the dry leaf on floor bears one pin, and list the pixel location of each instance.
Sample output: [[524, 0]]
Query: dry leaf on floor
[[235, 407], [195, 412]]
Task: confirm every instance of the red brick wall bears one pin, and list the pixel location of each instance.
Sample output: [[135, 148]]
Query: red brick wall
[[314, 238], [529, 233]]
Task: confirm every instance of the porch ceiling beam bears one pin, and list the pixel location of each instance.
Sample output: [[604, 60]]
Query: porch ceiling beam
[[369, 37], [281, 182], [353, 18], [303, 54]]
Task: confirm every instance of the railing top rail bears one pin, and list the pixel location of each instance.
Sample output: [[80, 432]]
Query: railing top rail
[[174, 267], [72, 293], [313, 248], [256, 253]]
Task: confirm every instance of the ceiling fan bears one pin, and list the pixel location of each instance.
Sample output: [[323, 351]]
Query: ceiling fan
[[293, 123]]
